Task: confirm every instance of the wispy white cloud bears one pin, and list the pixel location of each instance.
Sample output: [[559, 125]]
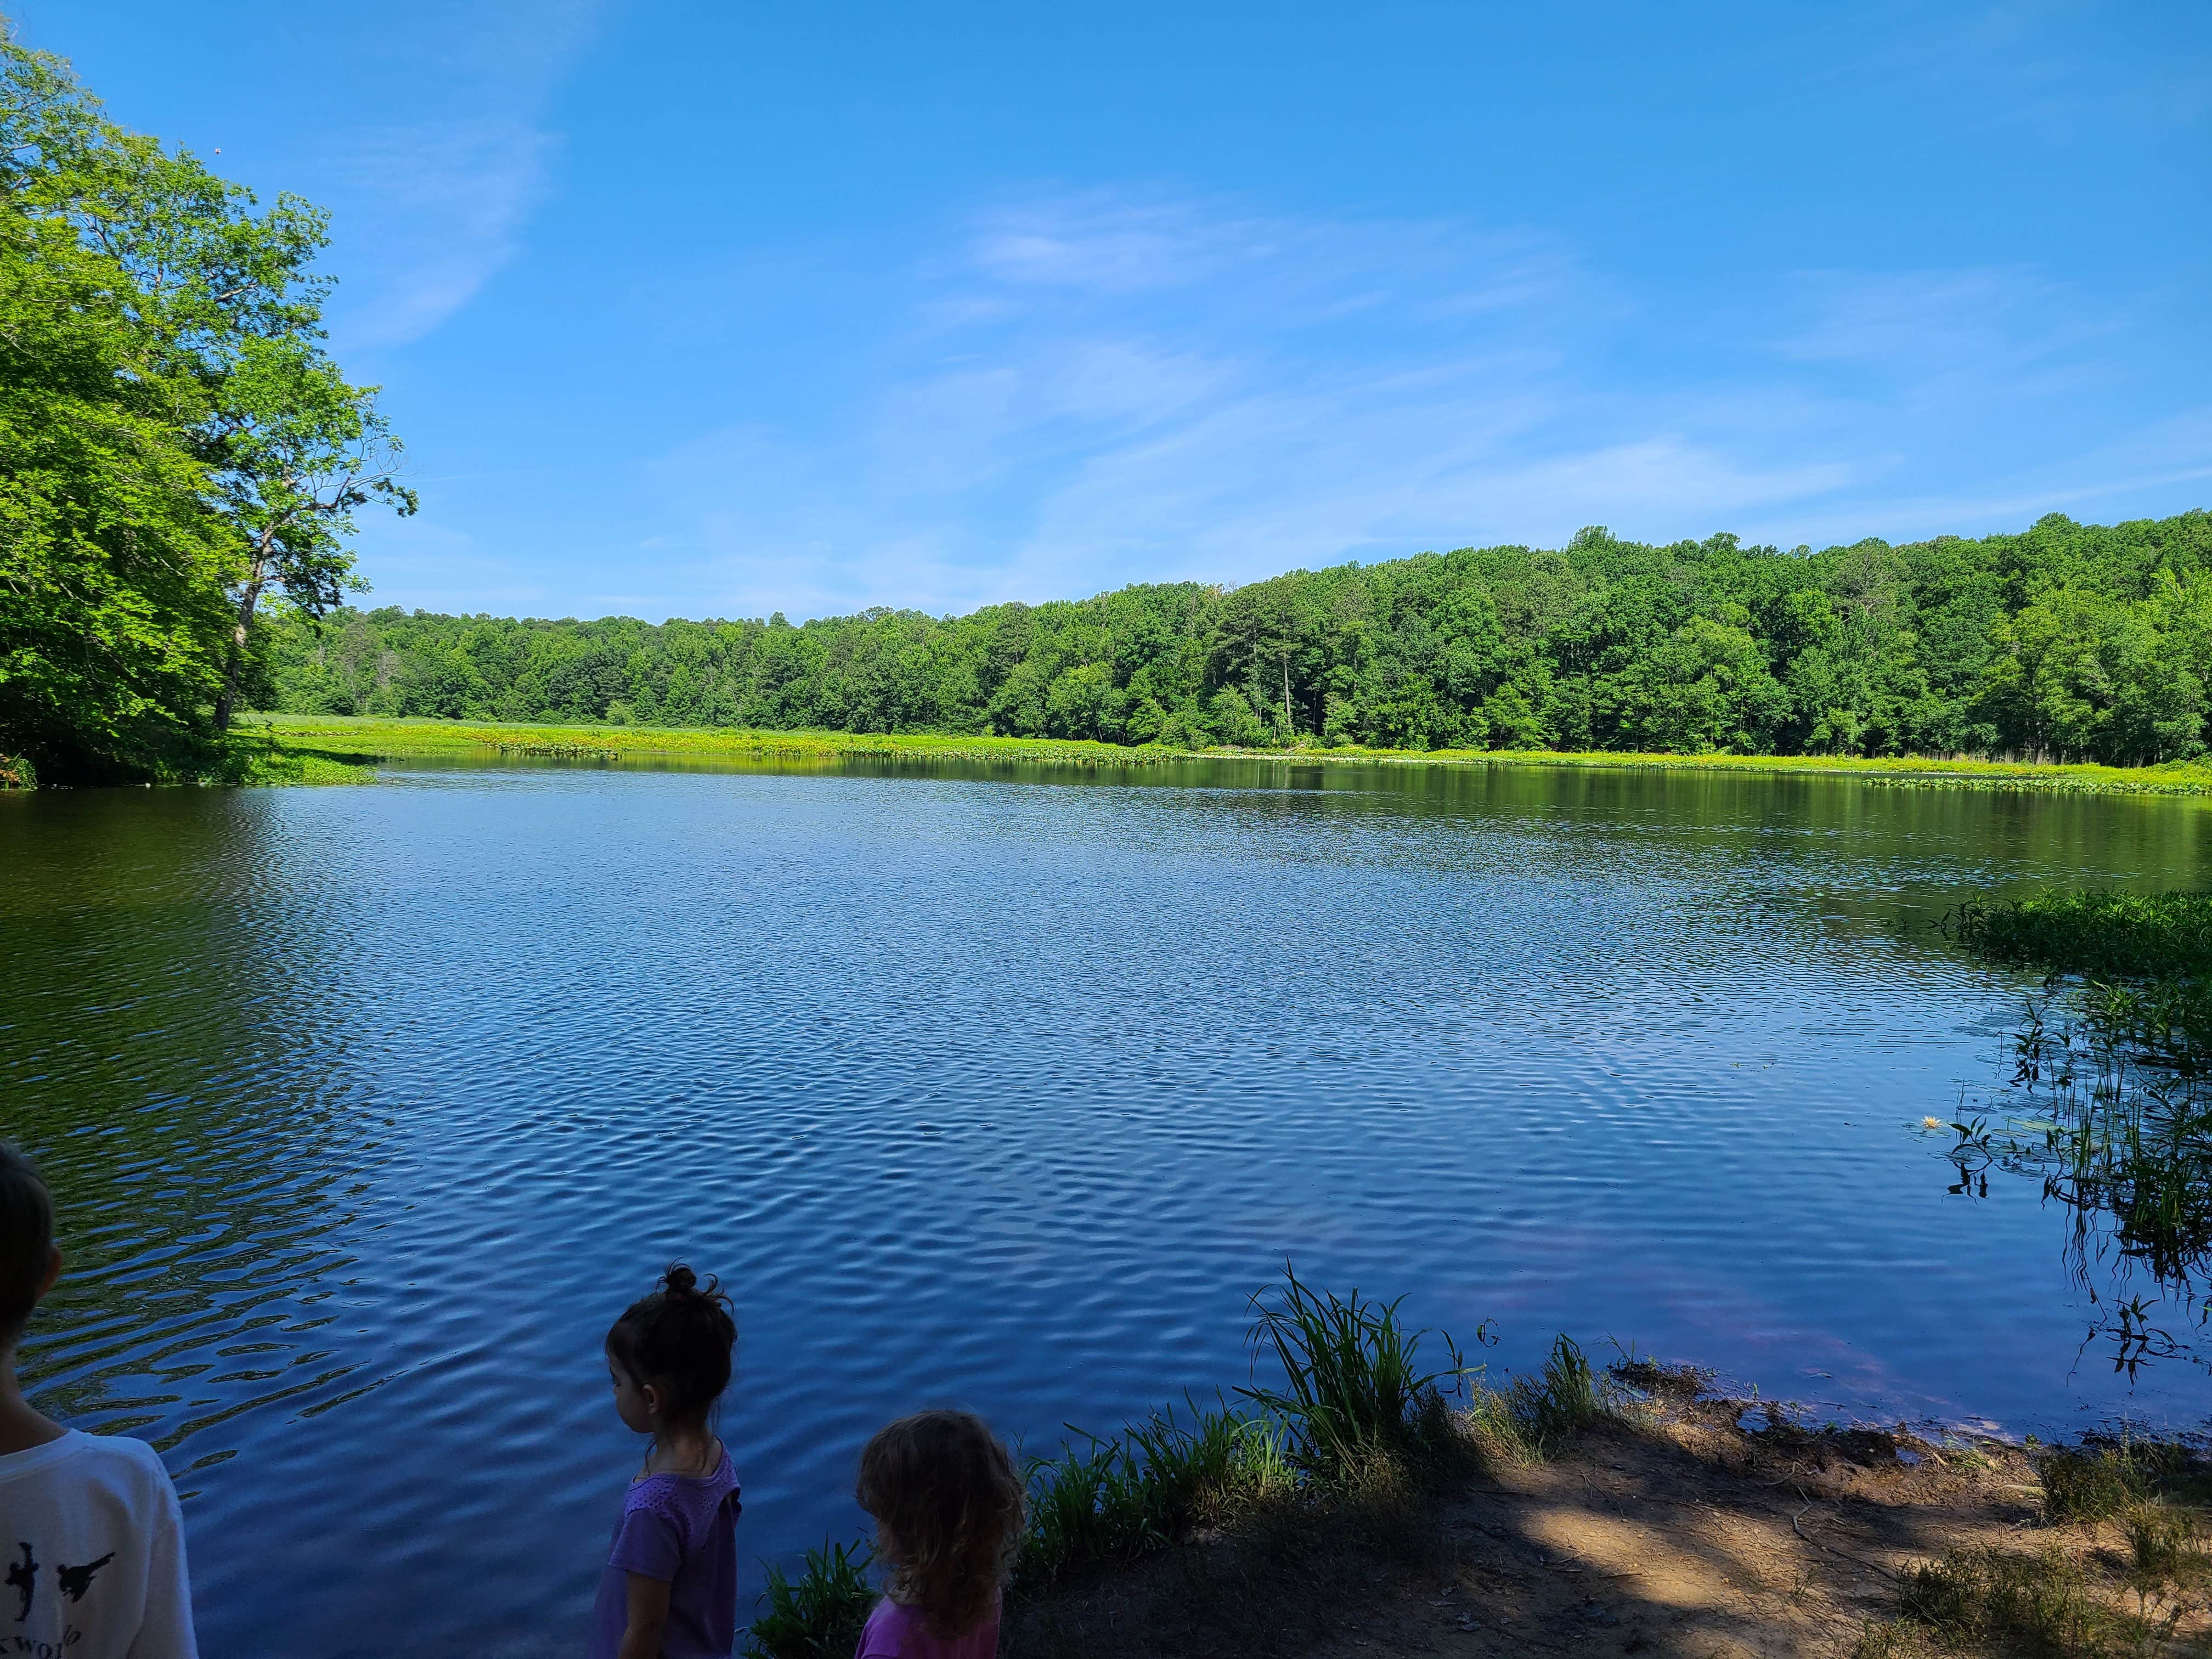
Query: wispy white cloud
[[430, 202], [436, 208], [1079, 392]]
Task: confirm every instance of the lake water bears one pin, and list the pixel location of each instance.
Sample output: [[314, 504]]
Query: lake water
[[368, 1109]]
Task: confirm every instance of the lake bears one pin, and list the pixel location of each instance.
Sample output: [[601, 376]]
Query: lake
[[368, 1109]]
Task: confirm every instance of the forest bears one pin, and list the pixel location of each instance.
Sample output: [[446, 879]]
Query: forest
[[2065, 642]]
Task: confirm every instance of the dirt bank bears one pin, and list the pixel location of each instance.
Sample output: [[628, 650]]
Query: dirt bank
[[1693, 1526]]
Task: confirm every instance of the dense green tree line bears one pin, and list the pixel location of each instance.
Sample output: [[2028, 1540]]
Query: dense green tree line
[[175, 444], [2067, 641]]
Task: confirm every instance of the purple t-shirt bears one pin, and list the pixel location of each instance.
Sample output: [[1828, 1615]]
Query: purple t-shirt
[[900, 1632], [682, 1530]]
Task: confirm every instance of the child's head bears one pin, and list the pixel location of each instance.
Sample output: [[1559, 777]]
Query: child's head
[[949, 1509], [670, 1353], [28, 1259]]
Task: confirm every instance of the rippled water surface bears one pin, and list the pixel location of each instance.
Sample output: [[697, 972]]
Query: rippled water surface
[[369, 1108]]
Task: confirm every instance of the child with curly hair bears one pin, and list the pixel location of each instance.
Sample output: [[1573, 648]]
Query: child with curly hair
[[949, 1509], [670, 1586]]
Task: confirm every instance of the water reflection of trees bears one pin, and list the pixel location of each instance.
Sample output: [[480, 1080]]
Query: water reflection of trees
[[165, 1049], [2109, 1106]]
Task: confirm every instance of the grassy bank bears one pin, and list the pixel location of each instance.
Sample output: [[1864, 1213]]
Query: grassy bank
[[248, 756], [401, 737], [1366, 1502], [257, 758], [397, 739]]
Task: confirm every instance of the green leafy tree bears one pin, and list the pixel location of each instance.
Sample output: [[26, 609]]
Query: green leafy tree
[[179, 439], [111, 562], [112, 565], [295, 450]]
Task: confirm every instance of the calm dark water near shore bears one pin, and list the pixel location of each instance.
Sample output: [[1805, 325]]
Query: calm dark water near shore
[[369, 1108]]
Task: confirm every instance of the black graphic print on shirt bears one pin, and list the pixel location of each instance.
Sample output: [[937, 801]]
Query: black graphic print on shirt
[[23, 1579], [72, 1582], [76, 1581]]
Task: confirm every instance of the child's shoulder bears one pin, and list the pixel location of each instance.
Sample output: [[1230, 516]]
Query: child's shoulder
[[130, 1468], [75, 1449], [891, 1632], [689, 1499], [120, 1450]]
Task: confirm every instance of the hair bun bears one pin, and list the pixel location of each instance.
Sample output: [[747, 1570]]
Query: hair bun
[[679, 1280]]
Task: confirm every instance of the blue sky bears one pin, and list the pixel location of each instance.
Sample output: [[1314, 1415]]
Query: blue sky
[[720, 309]]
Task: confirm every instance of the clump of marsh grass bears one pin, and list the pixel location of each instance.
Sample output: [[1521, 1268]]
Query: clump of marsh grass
[[1565, 1398], [1114, 1500], [819, 1613], [2167, 1550], [1355, 1426], [2031, 1605], [1343, 1456], [1354, 1387], [2099, 934], [1530, 1420], [2091, 1483]]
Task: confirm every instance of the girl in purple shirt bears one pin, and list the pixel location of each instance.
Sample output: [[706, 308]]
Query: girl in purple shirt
[[670, 1586], [949, 1509]]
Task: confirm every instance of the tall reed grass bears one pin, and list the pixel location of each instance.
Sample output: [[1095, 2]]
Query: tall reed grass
[[1352, 1387], [819, 1613], [1117, 1499]]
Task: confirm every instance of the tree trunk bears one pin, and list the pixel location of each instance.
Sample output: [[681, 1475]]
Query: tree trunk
[[236, 665], [1290, 725]]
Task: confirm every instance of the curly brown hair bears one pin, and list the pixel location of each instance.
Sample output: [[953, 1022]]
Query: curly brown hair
[[950, 1508]]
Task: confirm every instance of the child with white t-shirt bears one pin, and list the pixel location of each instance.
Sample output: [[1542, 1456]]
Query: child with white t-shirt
[[91, 1548]]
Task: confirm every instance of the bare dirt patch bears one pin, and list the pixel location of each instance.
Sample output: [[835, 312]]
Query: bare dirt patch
[[1683, 1527]]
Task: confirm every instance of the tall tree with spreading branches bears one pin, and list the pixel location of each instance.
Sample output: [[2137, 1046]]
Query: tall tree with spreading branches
[[200, 314]]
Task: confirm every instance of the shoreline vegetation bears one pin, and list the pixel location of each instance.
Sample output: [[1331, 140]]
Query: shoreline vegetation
[[2109, 1102], [2064, 641], [333, 748], [1368, 1503]]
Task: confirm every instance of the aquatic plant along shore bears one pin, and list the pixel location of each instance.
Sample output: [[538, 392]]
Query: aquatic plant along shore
[[1366, 1502], [2109, 1102], [371, 738]]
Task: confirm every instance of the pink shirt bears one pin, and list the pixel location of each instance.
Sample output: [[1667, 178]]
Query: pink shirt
[[898, 1632]]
